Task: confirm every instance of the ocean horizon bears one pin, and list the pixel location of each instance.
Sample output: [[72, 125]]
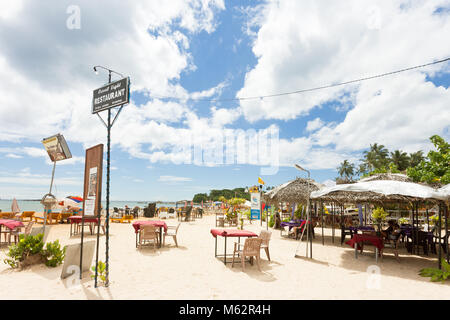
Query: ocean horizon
[[35, 205]]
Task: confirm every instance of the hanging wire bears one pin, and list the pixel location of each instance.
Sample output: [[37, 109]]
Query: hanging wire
[[309, 89]]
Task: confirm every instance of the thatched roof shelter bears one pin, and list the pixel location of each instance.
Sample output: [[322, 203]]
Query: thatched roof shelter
[[294, 191], [378, 191], [387, 176]]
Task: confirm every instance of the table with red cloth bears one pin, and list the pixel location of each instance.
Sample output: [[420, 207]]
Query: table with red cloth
[[228, 233], [9, 224], [358, 241], [89, 220], [157, 223]]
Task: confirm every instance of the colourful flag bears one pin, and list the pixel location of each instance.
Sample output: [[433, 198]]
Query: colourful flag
[[260, 181]]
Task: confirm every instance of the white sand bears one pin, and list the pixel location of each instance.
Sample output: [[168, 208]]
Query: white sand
[[192, 272]]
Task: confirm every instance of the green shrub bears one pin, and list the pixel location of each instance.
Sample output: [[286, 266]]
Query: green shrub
[[437, 274], [29, 245], [54, 254]]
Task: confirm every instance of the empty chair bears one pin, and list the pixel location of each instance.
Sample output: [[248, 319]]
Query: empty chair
[[265, 236], [147, 233], [171, 232], [251, 248]]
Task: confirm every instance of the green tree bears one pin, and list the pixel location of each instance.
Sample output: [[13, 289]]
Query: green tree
[[416, 158], [346, 170], [199, 197], [435, 168], [400, 159], [377, 157]]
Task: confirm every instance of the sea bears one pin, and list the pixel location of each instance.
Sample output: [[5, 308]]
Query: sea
[[35, 205]]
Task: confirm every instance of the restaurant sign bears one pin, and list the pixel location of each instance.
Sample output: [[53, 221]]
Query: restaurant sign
[[112, 95]]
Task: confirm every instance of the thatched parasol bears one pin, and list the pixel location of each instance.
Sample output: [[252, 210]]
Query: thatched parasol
[[295, 191]]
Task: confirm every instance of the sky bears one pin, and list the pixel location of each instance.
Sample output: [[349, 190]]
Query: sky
[[188, 61]]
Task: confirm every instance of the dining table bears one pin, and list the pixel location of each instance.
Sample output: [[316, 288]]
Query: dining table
[[9, 225], [229, 233], [76, 220], [157, 223], [358, 240]]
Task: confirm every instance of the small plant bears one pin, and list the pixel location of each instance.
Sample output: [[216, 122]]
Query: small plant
[[54, 254], [378, 216], [101, 272], [30, 250], [403, 221], [298, 213], [437, 274], [271, 221], [26, 247]]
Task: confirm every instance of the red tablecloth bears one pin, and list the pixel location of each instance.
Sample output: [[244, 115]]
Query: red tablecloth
[[77, 219], [232, 233], [358, 238], [156, 223], [11, 224]]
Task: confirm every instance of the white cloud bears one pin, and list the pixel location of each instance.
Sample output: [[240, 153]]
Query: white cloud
[[304, 44], [173, 179], [13, 156], [314, 124], [60, 88]]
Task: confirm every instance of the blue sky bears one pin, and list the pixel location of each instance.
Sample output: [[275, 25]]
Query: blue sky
[[216, 50]]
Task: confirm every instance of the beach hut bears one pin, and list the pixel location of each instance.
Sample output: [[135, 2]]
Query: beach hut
[[294, 191], [376, 190]]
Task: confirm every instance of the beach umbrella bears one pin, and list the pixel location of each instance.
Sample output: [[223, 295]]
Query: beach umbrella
[[70, 201], [15, 206], [75, 198]]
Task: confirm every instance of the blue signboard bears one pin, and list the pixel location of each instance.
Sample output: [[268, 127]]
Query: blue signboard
[[255, 214]]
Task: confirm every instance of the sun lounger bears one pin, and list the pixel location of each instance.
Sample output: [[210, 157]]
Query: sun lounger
[[126, 218], [52, 218], [29, 215]]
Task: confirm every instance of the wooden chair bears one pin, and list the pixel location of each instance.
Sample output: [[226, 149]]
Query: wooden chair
[[148, 233], [251, 248], [171, 232], [265, 236], [17, 233]]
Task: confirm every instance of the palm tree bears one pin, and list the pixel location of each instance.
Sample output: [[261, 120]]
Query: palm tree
[[416, 158], [362, 169], [376, 157], [346, 169], [400, 159]]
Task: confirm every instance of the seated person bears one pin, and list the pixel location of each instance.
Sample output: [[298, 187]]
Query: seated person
[[392, 231], [73, 210]]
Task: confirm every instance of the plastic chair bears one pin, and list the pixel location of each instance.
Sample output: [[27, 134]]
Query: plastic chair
[[252, 248]]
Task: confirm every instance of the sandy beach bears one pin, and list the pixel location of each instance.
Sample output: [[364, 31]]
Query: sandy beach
[[192, 272]]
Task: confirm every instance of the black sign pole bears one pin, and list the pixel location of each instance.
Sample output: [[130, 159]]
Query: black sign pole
[[120, 100]]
